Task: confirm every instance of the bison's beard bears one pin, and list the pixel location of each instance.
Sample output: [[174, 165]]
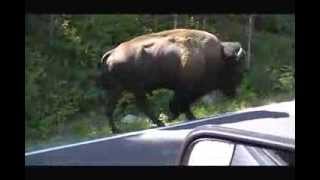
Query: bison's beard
[[231, 78], [230, 93]]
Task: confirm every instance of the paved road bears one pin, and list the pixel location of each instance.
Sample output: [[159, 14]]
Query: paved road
[[160, 146]]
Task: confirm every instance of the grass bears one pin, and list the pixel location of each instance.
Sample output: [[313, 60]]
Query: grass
[[141, 123], [239, 103], [81, 128]]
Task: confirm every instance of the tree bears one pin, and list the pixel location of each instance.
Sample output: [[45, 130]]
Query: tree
[[204, 22], [51, 27], [175, 21], [197, 19], [155, 22], [250, 31]]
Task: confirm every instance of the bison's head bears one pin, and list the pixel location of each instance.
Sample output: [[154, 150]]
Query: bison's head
[[233, 56], [233, 52]]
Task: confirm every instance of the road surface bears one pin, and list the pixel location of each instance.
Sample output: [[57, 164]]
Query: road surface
[[160, 146]]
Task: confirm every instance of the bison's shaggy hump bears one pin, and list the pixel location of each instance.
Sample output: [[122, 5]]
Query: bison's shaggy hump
[[190, 42], [177, 35]]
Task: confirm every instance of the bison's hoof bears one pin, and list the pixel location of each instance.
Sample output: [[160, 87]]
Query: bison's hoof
[[116, 131], [153, 126], [159, 124]]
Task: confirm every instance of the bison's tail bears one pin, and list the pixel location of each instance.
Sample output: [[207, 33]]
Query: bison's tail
[[104, 58], [106, 55]]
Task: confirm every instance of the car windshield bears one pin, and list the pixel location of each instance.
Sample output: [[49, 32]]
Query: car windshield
[[137, 84]]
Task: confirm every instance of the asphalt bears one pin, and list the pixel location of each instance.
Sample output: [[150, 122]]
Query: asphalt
[[161, 146]]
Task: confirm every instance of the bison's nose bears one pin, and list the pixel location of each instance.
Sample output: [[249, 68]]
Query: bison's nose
[[244, 53]]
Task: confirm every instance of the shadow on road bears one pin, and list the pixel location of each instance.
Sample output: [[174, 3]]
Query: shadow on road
[[233, 118]]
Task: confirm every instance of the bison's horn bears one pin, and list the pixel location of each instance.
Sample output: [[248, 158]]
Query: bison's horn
[[240, 52]]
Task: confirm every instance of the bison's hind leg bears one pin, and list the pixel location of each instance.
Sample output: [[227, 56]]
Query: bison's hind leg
[[112, 99], [181, 104], [190, 115], [142, 104]]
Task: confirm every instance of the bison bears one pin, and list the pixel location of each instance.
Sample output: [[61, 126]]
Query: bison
[[189, 62]]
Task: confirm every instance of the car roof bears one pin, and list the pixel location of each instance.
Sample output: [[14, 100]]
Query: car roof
[[281, 123]]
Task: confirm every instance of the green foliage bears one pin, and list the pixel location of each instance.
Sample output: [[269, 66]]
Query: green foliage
[[284, 78], [159, 101], [273, 63], [81, 128], [126, 105], [141, 123], [277, 24]]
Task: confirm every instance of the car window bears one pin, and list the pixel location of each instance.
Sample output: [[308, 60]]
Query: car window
[[256, 156]]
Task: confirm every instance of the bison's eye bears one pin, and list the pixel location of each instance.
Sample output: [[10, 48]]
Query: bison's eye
[[236, 50]]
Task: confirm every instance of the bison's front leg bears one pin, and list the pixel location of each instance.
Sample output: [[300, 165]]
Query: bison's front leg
[[181, 104], [142, 104], [189, 115]]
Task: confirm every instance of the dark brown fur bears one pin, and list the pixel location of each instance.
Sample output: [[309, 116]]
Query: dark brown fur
[[189, 62]]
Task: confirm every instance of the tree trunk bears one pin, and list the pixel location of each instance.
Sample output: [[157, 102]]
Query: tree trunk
[[204, 22], [51, 28], [175, 21], [250, 32], [91, 19], [191, 21], [197, 19], [155, 22], [28, 23]]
